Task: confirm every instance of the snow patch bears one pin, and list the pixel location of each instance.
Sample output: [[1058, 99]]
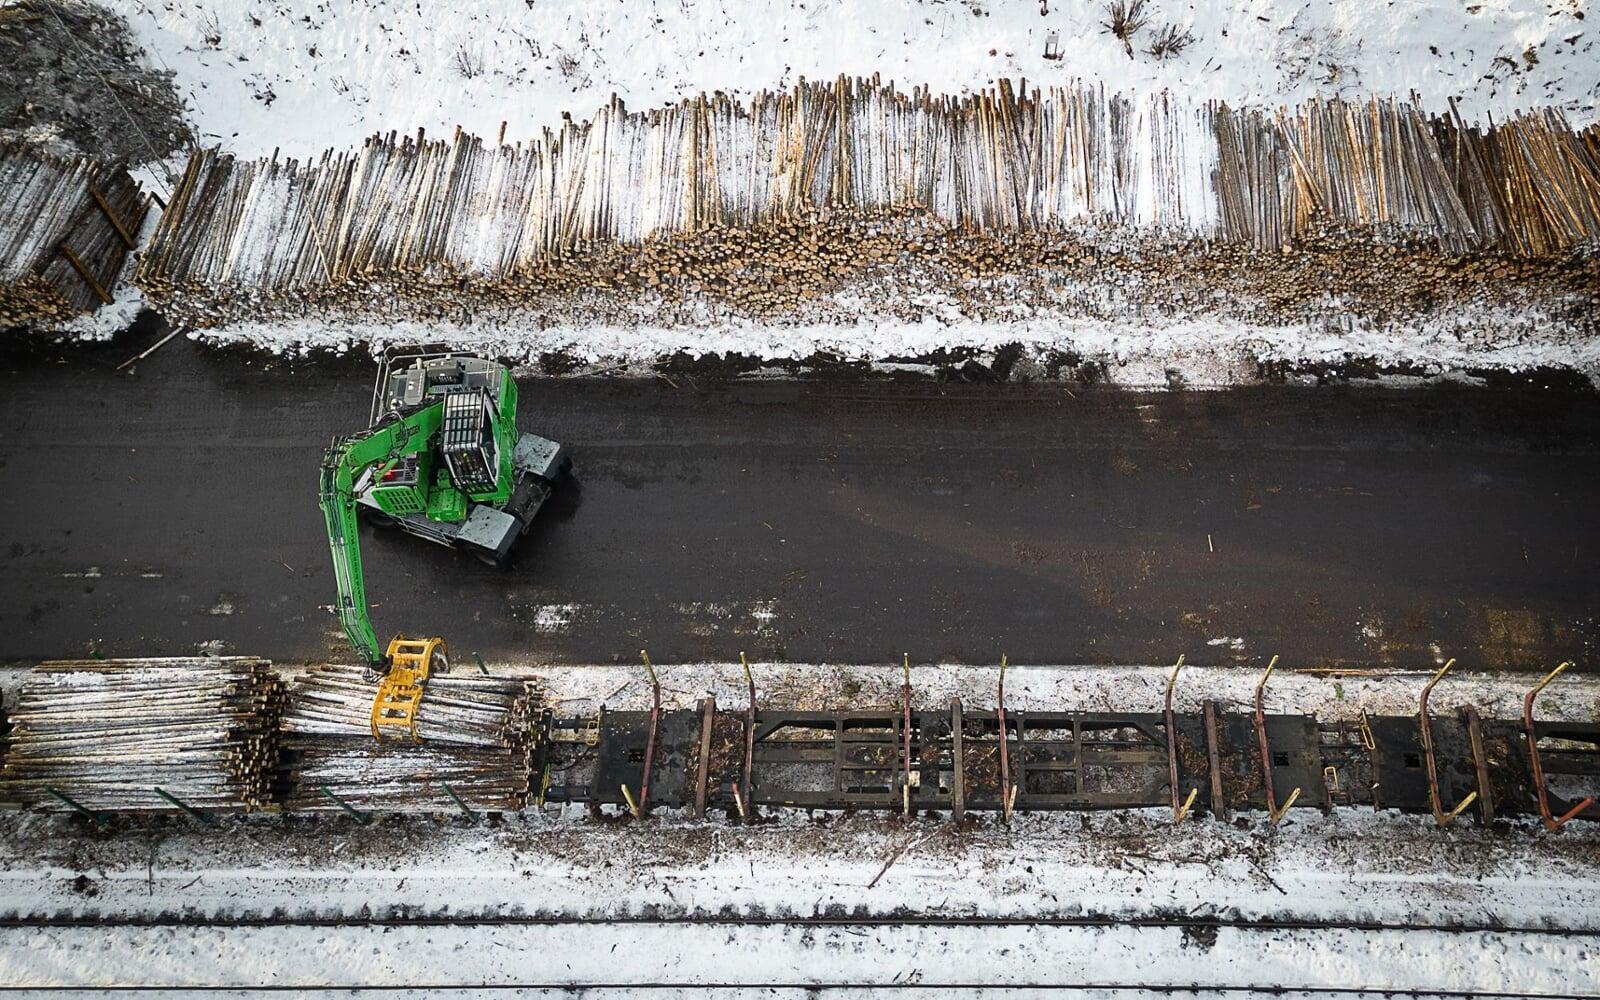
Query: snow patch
[[301, 76], [1141, 351], [555, 619]]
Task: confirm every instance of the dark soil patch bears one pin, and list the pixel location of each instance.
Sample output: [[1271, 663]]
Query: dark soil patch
[[73, 81]]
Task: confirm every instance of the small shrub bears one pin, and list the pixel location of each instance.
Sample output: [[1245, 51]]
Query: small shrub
[[1170, 41], [211, 31], [468, 63], [1124, 18]]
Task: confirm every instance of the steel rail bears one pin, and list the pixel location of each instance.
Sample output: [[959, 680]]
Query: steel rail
[[1265, 926], [1194, 989]]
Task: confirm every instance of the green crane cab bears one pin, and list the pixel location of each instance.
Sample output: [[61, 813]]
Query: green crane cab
[[442, 460]]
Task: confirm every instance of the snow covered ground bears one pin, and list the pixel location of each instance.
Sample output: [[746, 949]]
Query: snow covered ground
[[302, 76], [1329, 695], [656, 959], [1352, 867]]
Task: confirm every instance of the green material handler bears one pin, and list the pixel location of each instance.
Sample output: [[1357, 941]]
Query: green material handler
[[442, 459]]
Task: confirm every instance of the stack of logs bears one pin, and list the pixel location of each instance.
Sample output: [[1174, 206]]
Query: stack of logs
[[475, 736], [66, 228], [409, 210], [106, 734]]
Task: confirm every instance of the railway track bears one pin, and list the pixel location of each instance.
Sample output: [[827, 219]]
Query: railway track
[[854, 957], [1188, 924], [1101, 989]]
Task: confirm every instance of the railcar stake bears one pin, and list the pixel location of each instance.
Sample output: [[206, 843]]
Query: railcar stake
[[650, 740], [457, 800], [1008, 794], [1273, 811], [702, 773], [1480, 759], [1429, 758], [958, 791], [99, 819], [360, 817], [1550, 822], [1178, 811], [905, 692], [188, 810], [749, 738], [1219, 800]]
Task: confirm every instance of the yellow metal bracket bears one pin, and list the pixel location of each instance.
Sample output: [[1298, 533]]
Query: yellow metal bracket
[[1179, 810], [1368, 741]]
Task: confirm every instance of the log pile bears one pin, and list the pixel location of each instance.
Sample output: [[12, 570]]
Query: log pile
[[107, 733], [66, 227], [475, 737], [432, 214]]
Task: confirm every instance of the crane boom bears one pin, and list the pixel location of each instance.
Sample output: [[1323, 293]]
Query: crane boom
[[377, 447]]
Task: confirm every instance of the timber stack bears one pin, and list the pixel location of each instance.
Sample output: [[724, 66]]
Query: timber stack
[[66, 228], [144, 736], [475, 737], [431, 215]]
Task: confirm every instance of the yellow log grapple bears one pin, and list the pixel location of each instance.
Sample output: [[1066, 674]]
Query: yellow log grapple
[[400, 691]]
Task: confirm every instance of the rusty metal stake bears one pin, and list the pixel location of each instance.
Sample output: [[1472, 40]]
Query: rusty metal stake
[[958, 790], [905, 697], [1219, 801], [643, 804], [112, 217], [1275, 813], [743, 802], [702, 774], [1550, 822], [1480, 759], [83, 272], [1178, 811], [1008, 796]]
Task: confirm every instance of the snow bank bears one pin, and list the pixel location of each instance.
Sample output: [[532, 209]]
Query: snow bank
[[301, 76], [1143, 351]]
